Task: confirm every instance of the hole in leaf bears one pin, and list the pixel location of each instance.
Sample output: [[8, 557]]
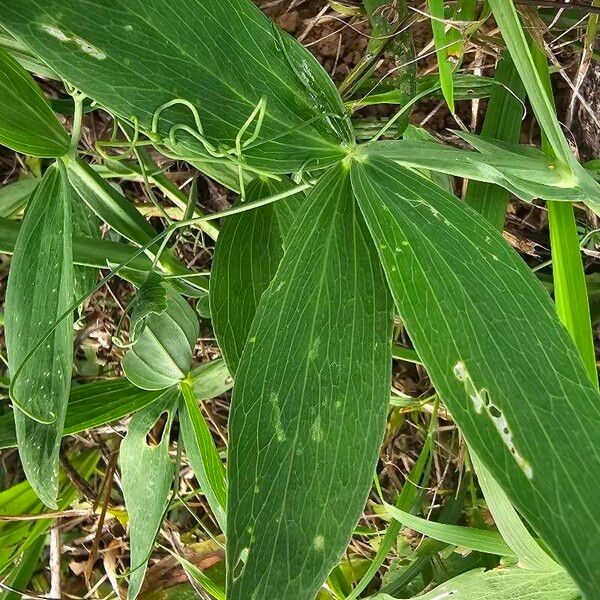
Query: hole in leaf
[[155, 436], [240, 563]]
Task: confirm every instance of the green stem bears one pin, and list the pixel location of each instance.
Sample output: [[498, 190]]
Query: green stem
[[570, 289]]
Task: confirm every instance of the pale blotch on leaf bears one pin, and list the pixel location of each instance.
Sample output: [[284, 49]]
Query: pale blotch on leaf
[[319, 542], [83, 44], [274, 402], [481, 400]]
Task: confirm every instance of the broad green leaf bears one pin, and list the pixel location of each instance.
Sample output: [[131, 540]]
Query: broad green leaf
[[39, 291], [504, 366], [210, 379], [202, 453], [490, 542], [525, 171], [147, 472], [116, 54], [247, 254], [27, 123], [14, 196], [311, 390], [500, 584], [162, 354]]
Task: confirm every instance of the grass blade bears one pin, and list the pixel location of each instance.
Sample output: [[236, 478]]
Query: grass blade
[[490, 542], [502, 122], [442, 42], [509, 524]]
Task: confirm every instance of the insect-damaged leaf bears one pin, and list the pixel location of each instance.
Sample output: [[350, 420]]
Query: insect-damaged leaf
[[116, 54], [27, 123], [162, 354], [502, 363], [311, 389], [247, 254], [148, 473], [40, 290]]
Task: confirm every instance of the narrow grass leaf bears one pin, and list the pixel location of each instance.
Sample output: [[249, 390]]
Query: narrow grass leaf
[[481, 540], [147, 472], [162, 354], [247, 254], [39, 291], [309, 405], [116, 54], [504, 366], [441, 42], [502, 122], [27, 123]]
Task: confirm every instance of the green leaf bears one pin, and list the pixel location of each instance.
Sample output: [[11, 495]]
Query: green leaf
[[14, 196], [202, 454], [311, 389], [99, 253], [86, 226], [27, 123], [115, 210], [500, 584], [210, 379], [502, 122], [506, 369], [90, 405], [147, 472], [162, 355], [39, 291], [525, 171], [247, 254], [490, 542], [509, 524], [116, 54], [151, 299], [101, 402], [441, 42]]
